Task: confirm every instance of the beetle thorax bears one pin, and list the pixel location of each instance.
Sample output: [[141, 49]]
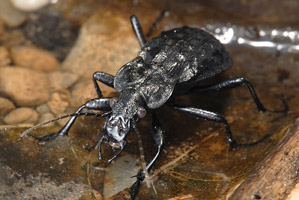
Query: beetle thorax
[[127, 104]]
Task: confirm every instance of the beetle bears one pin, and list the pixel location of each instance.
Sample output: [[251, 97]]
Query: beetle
[[168, 65]]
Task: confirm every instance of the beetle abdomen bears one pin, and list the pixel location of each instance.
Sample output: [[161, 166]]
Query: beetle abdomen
[[187, 54]]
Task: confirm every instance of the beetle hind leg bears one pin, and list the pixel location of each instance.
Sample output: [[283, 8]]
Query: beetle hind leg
[[236, 82], [210, 116]]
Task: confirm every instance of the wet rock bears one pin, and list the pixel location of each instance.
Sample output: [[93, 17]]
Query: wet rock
[[20, 116], [62, 80], [10, 15], [59, 102], [35, 58], [37, 186], [5, 106], [118, 175], [105, 43], [4, 56], [25, 87]]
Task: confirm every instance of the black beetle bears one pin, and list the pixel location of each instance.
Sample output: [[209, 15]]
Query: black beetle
[[168, 65]]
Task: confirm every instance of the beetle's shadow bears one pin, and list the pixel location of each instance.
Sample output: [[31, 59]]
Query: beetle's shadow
[[180, 126]]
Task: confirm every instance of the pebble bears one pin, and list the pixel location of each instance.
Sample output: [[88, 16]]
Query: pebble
[[59, 102], [1, 26], [46, 117], [42, 109], [35, 58], [62, 80], [11, 16], [21, 116], [6, 106], [105, 43], [30, 5], [26, 87], [4, 56], [82, 92]]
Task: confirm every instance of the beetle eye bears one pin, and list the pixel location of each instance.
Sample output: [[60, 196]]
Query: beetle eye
[[112, 101], [141, 112]]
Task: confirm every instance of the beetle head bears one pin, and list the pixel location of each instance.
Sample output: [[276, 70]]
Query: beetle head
[[117, 128], [118, 123]]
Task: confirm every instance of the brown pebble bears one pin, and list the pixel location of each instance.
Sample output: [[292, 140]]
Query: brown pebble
[[42, 109], [105, 43], [82, 92], [46, 117], [62, 80], [5, 106], [26, 87], [59, 102], [34, 58], [21, 116], [4, 56]]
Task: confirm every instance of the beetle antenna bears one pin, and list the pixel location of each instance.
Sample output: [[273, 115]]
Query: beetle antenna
[[142, 157], [62, 117]]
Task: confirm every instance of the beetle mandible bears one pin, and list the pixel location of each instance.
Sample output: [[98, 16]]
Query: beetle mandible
[[168, 65]]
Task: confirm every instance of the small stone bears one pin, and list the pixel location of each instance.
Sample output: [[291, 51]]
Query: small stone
[[59, 102], [6, 106], [29, 6], [105, 43], [62, 80], [42, 109], [21, 116], [83, 92], [34, 58], [1, 26], [4, 56], [11, 16], [46, 117], [26, 87]]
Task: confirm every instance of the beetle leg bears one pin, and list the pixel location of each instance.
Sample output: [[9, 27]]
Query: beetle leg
[[236, 82], [210, 116], [93, 104], [103, 77], [158, 19], [159, 138], [138, 31]]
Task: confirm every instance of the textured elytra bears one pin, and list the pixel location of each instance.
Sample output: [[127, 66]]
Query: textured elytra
[[187, 53], [173, 61]]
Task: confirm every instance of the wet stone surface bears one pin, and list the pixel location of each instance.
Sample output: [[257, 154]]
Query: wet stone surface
[[46, 72]]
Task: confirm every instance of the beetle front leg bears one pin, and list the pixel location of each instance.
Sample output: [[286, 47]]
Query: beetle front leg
[[103, 77], [159, 138], [210, 116], [93, 104], [236, 82]]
